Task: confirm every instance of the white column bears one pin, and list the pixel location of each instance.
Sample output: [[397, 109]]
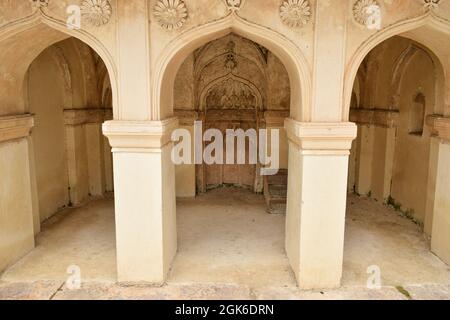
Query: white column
[[185, 174], [77, 160], [440, 237], [16, 199], [317, 193], [95, 157], [383, 162], [145, 204]]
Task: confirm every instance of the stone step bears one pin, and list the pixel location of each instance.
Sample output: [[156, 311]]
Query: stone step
[[279, 208], [275, 192], [278, 190]]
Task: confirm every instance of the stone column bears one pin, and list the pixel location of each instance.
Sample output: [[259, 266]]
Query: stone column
[[275, 120], [85, 153], [315, 222], [440, 237], [435, 142], [366, 138], [186, 173], [108, 157], [383, 163], [77, 161], [145, 203], [375, 152], [18, 201], [95, 152]]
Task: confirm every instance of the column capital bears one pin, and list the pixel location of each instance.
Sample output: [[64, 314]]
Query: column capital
[[15, 127], [139, 136], [321, 138]]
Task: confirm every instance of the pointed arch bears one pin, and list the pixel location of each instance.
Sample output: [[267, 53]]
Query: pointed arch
[[17, 52], [171, 58], [428, 20]]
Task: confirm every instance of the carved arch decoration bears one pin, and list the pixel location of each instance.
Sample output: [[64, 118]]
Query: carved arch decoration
[[233, 60], [173, 55], [45, 31], [429, 19], [231, 92], [200, 63]]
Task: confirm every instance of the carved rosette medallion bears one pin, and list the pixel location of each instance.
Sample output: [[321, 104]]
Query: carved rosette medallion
[[430, 4], [234, 5], [170, 14], [295, 13], [96, 12], [362, 11], [39, 4]]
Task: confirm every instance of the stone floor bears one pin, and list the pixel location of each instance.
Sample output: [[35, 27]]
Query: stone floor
[[229, 248]]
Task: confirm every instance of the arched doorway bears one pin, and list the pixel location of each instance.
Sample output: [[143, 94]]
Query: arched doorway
[[228, 85], [398, 94], [57, 92]]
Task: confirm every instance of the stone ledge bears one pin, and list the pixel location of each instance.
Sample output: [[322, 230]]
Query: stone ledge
[[78, 117], [377, 117], [275, 118], [186, 117], [15, 127], [321, 137], [139, 136]]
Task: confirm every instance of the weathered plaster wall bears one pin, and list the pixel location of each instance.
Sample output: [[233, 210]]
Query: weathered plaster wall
[[45, 100], [184, 88], [410, 176], [278, 86]]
